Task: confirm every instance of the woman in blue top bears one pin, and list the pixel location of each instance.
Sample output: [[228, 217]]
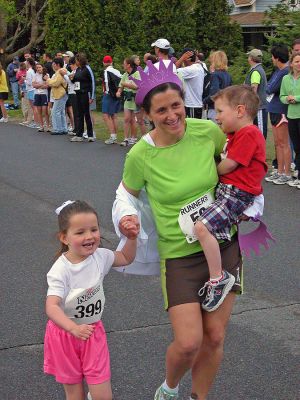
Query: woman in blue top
[[220, 79], [278, 111]]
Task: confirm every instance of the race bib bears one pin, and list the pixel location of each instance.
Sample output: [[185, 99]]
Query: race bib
[[85, 306], [190, 213], [77, 86]]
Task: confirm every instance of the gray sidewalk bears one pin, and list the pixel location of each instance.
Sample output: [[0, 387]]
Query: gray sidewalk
[[39, 172]]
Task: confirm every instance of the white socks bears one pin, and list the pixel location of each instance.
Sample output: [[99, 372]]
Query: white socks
[[168, 389]]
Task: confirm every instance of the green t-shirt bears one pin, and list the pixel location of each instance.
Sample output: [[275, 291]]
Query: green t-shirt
[[129, 104], [291, 86], [173, 176]]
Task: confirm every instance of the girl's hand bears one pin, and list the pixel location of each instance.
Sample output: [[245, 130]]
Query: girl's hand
[[83, 331], [129, 226]]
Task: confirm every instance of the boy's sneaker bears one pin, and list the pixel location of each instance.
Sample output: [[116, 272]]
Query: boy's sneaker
[[111, 140], [272, 177], [125, 143], [162, 394], [76, 139], [282, 180], [3, 119], [216, 292], [295, 182]]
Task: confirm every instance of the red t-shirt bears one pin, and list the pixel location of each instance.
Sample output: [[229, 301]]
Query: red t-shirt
[[248, 148]]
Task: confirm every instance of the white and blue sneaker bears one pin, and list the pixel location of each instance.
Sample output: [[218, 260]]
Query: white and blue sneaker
[[162, 394], [216, 292]]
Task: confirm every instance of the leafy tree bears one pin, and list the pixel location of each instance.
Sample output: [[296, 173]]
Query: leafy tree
[[21, 26], [172, 19], [286, 23], [74, 25], [215, 30]]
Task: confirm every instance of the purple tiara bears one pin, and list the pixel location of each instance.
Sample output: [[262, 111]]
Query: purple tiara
[[154, 77]]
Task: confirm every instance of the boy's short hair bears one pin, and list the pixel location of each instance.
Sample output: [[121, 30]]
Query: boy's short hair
[[240, 95]]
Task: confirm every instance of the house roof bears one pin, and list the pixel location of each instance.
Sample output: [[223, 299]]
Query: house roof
[[249, 19], [243, 3]]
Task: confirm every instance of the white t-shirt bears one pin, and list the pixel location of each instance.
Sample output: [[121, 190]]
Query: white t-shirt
[[29, 78], [64, 275], [38, 78], [166, 62], [193, 76], [114, 71]]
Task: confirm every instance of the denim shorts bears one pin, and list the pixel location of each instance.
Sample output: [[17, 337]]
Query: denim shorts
[[30, 95], [110, 105]]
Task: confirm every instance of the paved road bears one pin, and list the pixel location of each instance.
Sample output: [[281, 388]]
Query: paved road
[[37, 173]]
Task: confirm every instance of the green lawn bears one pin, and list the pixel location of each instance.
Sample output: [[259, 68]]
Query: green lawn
[[102, 132]]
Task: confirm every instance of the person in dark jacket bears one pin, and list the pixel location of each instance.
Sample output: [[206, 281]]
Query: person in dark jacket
[[220, 79], [83, 88], [12, 70]]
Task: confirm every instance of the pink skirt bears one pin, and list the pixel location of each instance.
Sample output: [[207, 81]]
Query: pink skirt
[[70, 359]]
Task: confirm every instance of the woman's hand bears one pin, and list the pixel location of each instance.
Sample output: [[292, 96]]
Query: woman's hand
[[129, 226], [83, 331], [63, 71], [291, 99], [119, 92]]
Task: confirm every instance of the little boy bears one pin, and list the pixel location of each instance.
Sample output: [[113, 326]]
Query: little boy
[[241, 171]]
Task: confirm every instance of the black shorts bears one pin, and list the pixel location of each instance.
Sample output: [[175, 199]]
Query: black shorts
[[3, 95], [277, 119], [185, 276], [40, 100]]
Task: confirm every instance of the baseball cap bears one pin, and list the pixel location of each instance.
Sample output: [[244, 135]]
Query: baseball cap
[[107, 59], [161, 44], [255, 53], [68, 54]]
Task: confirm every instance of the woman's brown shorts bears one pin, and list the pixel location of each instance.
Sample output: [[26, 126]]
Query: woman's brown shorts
[[185, 276]]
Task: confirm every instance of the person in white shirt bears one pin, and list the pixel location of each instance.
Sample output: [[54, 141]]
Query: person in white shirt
[[40, 101], [110, 103], [193, 75], [75, 345]]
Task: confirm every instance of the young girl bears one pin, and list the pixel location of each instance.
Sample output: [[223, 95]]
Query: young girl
[[75, 340], [290, 94], [41, 96]]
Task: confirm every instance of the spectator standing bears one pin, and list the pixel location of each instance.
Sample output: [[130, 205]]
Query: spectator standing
[[277, 111], [110, 103], [193, 76], [219, 79], [41, 97], [12, 70], [257, 79], [83, 88], [26, 109], [67, 55], [47, 58], [296, 45], [3, 94], [128, 89], [72, 108], [58, 91], [30, 65], [290, 95], [161, 49]]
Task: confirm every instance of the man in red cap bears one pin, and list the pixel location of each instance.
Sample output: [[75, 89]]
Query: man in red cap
[[110, 103]]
